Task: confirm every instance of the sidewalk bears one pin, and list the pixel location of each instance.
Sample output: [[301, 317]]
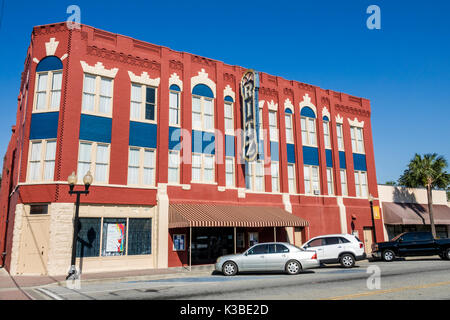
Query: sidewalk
[[12, 288]]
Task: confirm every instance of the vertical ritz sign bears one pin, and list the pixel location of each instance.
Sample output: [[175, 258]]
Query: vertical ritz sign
[[249, 85]]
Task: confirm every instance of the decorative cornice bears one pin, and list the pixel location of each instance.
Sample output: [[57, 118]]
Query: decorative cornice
[[307, 103], [352, 110], [228, 77], [268, 92], [175, 79], [356, 123], [202, 60], [177, 65], [203, 79], [229, 92], [123, 58], [144, 79], [99, 69]]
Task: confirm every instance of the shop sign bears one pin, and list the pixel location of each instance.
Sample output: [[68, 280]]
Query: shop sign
[[249, 93]]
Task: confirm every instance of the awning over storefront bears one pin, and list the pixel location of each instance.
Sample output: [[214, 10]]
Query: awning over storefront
[[209, 215], [414, 213]]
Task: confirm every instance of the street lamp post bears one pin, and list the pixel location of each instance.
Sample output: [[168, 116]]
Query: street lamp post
[[72, 179], [371, 198]]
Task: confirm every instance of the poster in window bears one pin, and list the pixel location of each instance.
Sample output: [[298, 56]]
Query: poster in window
[[178, 242], [115, 235]]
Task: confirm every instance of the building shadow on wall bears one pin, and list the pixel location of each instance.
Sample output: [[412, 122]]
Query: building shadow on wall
[[407, 200], [91, 236]]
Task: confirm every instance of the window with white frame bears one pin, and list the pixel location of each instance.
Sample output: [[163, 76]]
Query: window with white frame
[[326, 134], [93, 157], [229, 122], [202, 168], [174, 108], [143, 103], [174, 166], [41, 165], [344, 189], [48, 91], [141, 166], [254, 175], [260, 120], [357, 139], [308, 131], [229, 171], [361, 184], [312, 183], [202, 113], [340, 136], [273, 129], [330, 181], [274, 169], [97, 95], [289, 128], [291, 178]]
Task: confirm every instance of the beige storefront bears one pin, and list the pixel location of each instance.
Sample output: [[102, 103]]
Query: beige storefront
[[111, 238]]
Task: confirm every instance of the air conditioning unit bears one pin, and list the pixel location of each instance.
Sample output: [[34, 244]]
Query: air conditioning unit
[[316, 192]]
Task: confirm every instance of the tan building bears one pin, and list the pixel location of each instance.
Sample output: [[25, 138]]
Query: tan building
[[406, 209]]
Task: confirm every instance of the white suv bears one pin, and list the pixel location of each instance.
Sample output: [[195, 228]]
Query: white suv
[[337, 248]]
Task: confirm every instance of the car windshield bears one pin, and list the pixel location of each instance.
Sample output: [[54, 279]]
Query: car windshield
[[397, 236]]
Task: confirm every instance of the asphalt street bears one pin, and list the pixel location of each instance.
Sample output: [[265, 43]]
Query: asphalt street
[[411, 279]]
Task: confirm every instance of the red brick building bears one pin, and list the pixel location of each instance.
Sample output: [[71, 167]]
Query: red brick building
[[160, 132]]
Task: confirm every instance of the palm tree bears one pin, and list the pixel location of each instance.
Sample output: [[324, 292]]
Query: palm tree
[[429, 172]]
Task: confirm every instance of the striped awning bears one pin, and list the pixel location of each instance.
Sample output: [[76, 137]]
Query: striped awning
[[211, 215]]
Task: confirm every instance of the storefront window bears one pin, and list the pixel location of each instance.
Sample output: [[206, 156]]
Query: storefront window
[[88, 242], [139, 236], [114, 237], [252, 238]]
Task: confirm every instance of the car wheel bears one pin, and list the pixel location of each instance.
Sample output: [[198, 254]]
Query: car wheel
[[293, 267], [446, 255], [229, 268], [388, 255], [347, 260]]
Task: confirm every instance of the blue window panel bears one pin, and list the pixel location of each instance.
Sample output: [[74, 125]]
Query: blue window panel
[[329, 157], [44, 125], [229, 99], [197, 141], [229, 146], [203, 90], [143, 134], [261, 150], [359, 162], [174, 138], [325, 118], [290, 148], [49, 63], [174, 87], [308, 112], [287, 110], [342, 162], [274, 152], [208, 143], [93, 128], [311, 156]]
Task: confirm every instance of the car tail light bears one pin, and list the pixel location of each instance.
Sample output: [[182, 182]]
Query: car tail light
[[314, 257], [361, 245]]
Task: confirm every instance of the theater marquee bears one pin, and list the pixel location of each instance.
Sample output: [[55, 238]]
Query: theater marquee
[[249, 93]]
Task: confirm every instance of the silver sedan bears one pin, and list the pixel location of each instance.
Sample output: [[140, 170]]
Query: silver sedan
[[271, 256]]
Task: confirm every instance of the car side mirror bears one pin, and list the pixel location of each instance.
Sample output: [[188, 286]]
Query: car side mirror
[[400, 240], [246, 254]]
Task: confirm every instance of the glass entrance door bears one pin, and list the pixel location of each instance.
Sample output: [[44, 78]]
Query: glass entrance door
[[210, 243]]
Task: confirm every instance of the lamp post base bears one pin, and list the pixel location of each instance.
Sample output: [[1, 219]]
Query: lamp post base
[[73, 273]]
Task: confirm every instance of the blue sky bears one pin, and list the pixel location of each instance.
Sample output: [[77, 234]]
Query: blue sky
[[404, 68]]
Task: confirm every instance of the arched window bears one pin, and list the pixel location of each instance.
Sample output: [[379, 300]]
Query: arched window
[[174, 105], [47, 94], [308, 125], [289, 126], [326, 132], [202, 108]]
